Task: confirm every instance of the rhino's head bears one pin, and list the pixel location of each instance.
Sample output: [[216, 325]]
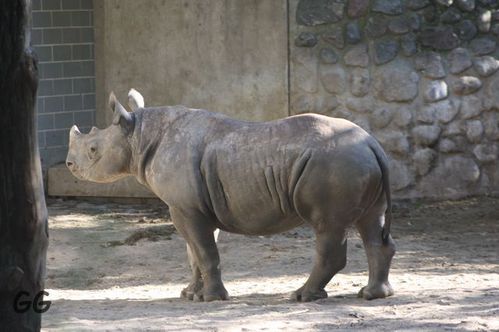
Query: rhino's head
[[104, 155]]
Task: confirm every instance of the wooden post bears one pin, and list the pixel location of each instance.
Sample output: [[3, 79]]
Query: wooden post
[[23, 214]]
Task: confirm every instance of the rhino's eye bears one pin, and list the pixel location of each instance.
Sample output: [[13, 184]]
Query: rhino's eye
[[92, 151]]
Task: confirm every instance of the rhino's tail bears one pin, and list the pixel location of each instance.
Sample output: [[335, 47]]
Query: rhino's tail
[[385, 176]]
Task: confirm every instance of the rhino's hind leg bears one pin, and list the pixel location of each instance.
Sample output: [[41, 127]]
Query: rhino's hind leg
[[379, 257], [331, 250]]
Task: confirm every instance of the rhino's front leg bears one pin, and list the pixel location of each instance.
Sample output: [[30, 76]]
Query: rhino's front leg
[[197, 230], [196, 284]]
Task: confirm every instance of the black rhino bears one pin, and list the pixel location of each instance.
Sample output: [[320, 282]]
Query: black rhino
[[215, 172]]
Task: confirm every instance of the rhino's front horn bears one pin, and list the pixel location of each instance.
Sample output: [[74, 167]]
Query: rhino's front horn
[[74, 132]]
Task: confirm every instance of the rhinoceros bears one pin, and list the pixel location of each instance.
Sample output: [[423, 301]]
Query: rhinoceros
[[218, 173]]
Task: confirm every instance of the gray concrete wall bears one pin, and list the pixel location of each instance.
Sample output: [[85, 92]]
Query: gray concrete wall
[[224, 56], [420, 75], [63, 38]]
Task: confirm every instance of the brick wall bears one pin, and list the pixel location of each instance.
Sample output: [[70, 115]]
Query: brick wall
[[63, 38]]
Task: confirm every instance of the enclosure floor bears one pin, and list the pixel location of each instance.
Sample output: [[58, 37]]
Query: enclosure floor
[[445, 274]]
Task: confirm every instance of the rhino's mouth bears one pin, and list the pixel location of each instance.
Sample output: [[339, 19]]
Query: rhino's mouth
[[77, 174]]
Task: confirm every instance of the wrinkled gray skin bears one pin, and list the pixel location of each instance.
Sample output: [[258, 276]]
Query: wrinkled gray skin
[[250, 178]]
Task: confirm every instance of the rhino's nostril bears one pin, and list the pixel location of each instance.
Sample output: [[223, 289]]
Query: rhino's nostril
[[69, 164]]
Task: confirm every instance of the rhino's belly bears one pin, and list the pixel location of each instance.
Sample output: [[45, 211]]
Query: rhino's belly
[[261, 223]]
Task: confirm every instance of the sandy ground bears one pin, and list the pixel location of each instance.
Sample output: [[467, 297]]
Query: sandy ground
[[102, 276]]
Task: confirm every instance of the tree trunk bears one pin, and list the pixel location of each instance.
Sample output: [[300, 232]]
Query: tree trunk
[[23, 214]]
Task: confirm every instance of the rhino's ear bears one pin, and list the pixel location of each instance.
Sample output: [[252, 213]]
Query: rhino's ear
[[120, 115], [135, 100]]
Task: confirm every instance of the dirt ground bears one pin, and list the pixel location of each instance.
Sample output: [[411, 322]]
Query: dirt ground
[[122, 267]]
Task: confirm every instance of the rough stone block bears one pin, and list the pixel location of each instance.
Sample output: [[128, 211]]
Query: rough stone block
[[334, 79], [435, 91], [447, 145], [306, 39], [402, 117], [396, 82], [492, 97], [424, 160], [466, 85], [399, 25], [426, 135], [401, 175], [445, 3], [395, 142], [446, 110], [417, 4], [459, 60], [474, 131], [357, 8], [454, 128], [466, 5], [486, 65], [375, 27], [491, 124], [357, 56], [440, 38], [486, 153], [466, 30], [430, 63], [360, 82], [385, 51], [328, 56], [388, 7], [353, 34], [360, 105], [317, 12], [381, 118], [452, 176], [484, 21], [471, 106], [335, 37], [408, 44], [483, 46], [451, 15]]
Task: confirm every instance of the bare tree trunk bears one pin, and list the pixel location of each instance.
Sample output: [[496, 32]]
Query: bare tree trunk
[[23, 214]]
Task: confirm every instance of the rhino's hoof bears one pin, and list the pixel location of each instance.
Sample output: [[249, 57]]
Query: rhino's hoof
[[216, 297], [303, 295], [213, 295], [376, 292], [190, 291]]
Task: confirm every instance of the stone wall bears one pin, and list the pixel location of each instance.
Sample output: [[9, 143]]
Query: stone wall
[[421, 75]]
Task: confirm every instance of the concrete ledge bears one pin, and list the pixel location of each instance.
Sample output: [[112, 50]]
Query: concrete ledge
[[61, 182]]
